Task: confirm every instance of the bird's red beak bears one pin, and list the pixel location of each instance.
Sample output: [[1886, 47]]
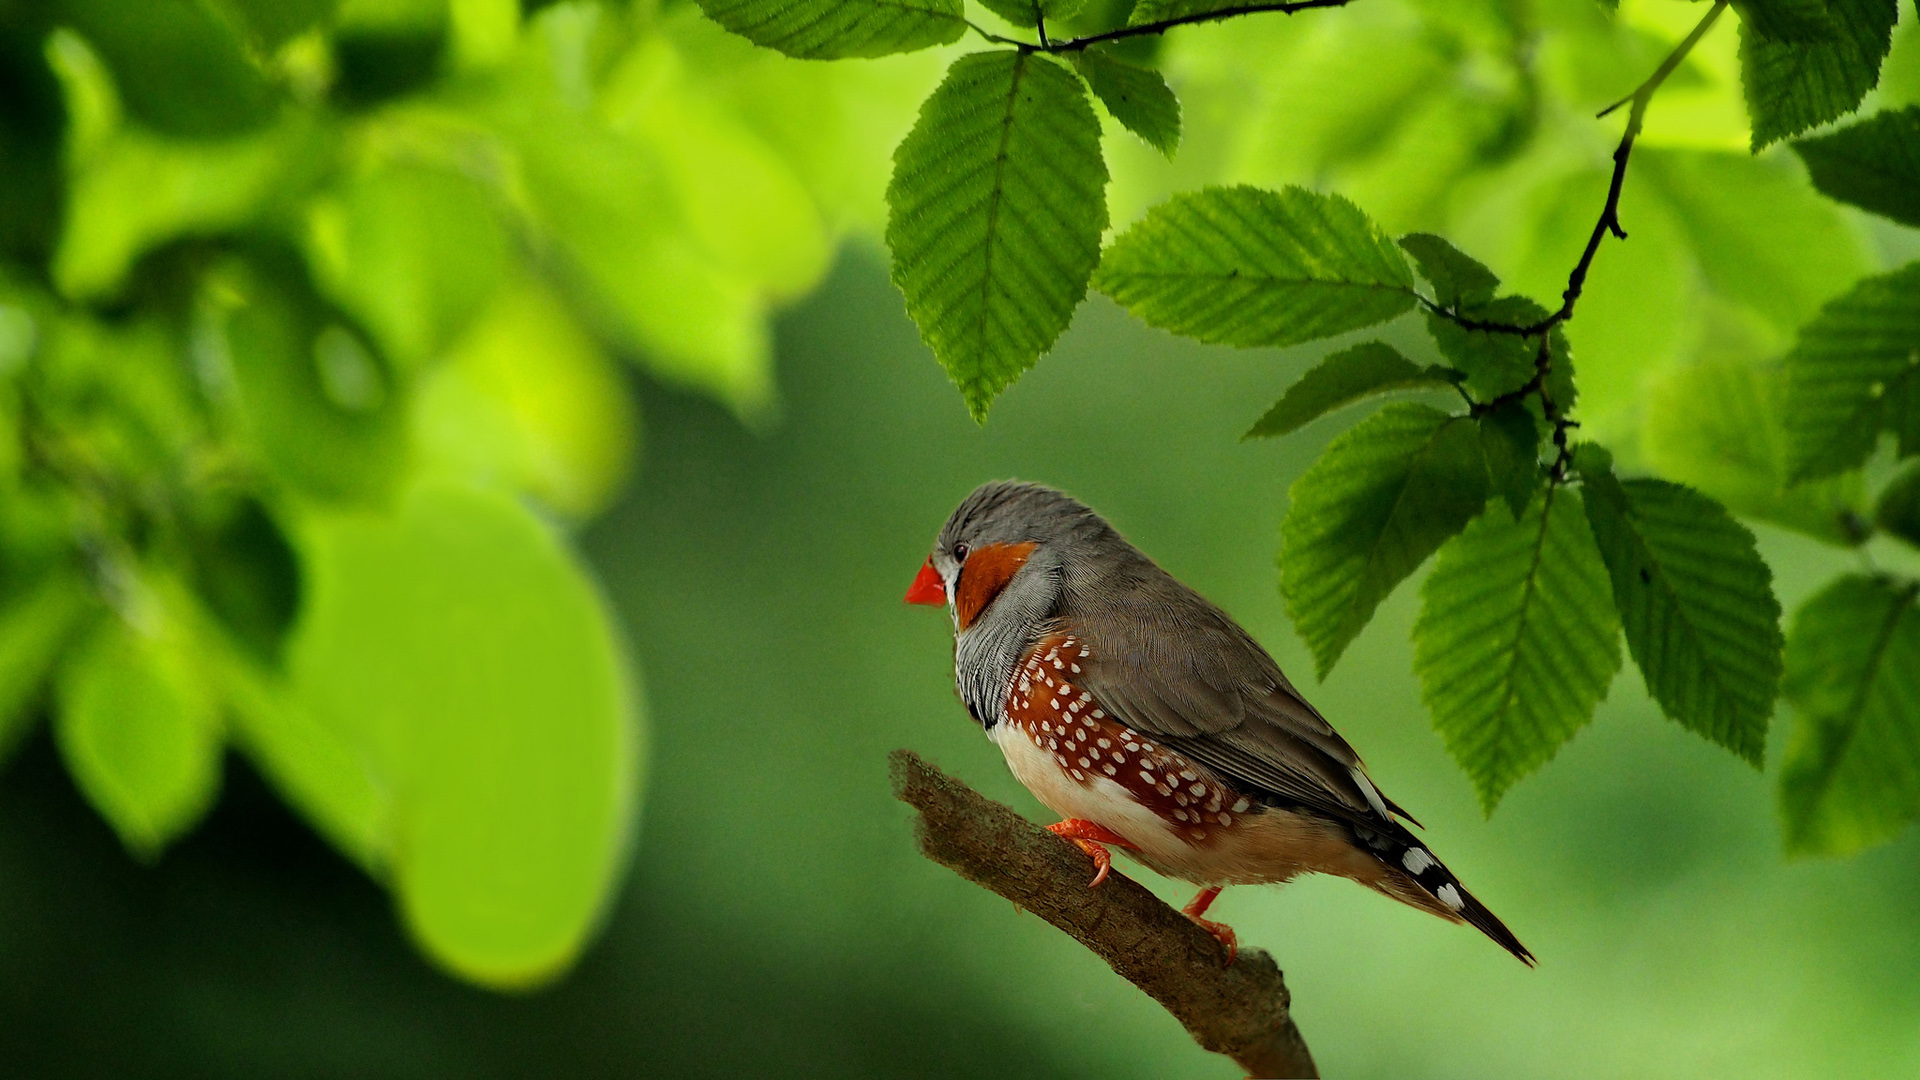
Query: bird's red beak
[[927, 588]]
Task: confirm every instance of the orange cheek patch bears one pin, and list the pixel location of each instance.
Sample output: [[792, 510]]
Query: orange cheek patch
[[984, 574]]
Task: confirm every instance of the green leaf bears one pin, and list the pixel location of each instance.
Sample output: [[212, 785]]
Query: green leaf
[[1851, 777], [460, 647], [1787, 20], [269, 24], [1517, 639], [1898, 509], [613, 221], [414, 253], [327, 414], [139, 730], [1381, 499], [1792, 86], [36, 624], [1151, 11], [1500, 363], [1697, 604], [528, 401], [1028, 13], [1343, 378], [131, 190], [1247, 266], [1457, 278], [1851, 374], [1137, 97], [831, 29], [180, 68], [1736, 449], [1511, 437], [997, 204], [328, 780], [1874, 164]]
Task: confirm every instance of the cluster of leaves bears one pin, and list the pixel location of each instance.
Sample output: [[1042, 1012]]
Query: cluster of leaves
[[310, 316], [1544, 557]]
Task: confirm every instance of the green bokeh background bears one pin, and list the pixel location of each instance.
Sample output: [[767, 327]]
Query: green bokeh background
[[777, 920]]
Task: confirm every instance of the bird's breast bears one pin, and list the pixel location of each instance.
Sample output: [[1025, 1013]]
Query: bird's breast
[[1081, 761]]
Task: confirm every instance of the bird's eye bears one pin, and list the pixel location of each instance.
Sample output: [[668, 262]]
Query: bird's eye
[[960, 552]]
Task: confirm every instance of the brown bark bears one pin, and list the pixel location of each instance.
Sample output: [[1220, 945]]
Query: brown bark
[[1240, 1010]]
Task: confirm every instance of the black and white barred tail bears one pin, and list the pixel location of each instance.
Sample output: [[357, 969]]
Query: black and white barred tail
[[1439, 891]]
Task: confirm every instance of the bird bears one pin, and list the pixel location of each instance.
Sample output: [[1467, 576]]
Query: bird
[[1150, 721]]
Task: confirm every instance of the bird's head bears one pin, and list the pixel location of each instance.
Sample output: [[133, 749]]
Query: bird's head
[[1001, 529]]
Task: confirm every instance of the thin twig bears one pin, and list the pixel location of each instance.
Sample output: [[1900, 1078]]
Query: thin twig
[[1609, 221], [1159, 26], [1240, 1010]]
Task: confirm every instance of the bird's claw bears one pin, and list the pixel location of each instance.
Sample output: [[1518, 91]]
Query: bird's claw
[[1092, 839], [1221, 932]]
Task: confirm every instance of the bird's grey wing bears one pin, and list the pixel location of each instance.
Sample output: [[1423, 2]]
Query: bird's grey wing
[[1186, 674]]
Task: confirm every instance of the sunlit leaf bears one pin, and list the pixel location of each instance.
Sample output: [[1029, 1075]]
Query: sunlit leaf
[[1343, 378], [1517, 639], [1137, 97], [1246, 266], [461, 647], [131, 190], [1380, 500], [619, 230], [527, 401], [1696, 601], [1851, 373], [827, 29], [996, 207], [1792, 86], [734, 193], [1874, 164], [1851, 776], [139, 729]]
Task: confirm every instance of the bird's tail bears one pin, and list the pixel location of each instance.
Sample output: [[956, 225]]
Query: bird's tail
[[1419, 879]]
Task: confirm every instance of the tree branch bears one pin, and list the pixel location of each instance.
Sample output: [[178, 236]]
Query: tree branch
[[1240, 1010]]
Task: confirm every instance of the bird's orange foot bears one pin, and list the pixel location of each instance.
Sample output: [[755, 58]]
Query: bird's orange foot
[[1092, 839], [1221, 931]]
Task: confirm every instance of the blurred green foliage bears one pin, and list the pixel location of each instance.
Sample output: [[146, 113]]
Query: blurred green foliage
[[314, 327], [311, 325]]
